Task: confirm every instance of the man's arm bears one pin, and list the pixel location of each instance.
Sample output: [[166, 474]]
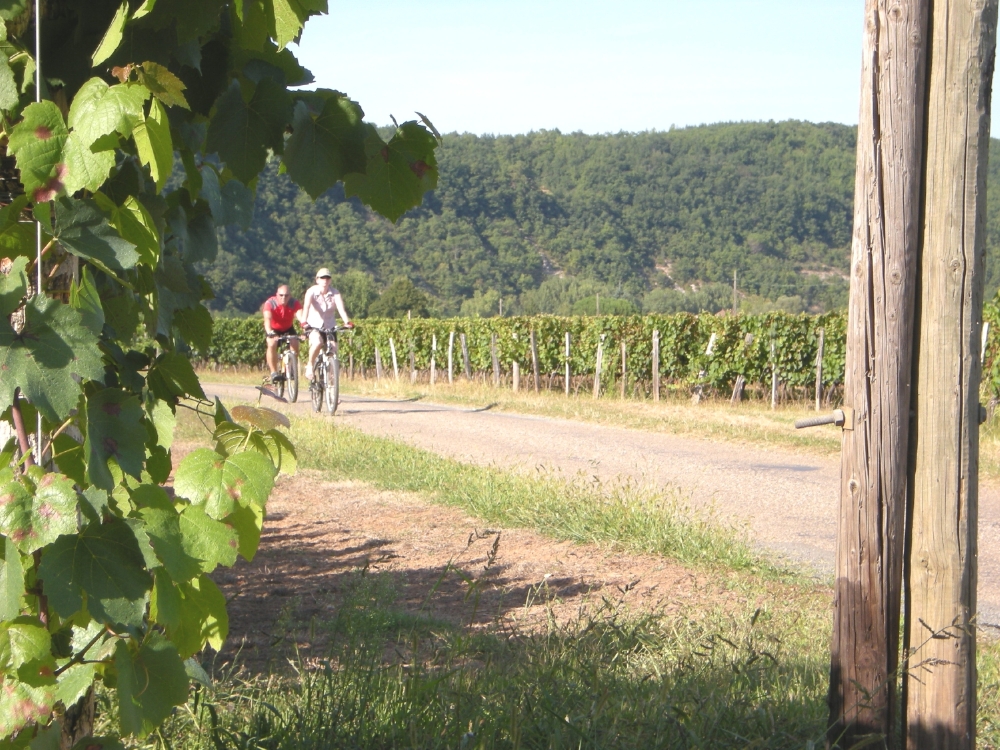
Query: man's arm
[[267, 322]]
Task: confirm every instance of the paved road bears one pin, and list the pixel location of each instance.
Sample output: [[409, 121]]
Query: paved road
[[788, 500]]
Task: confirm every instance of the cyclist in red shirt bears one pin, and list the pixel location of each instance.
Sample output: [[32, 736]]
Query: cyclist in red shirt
[[279, 319]]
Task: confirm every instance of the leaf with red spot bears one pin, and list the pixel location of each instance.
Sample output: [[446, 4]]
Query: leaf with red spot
[[37, 509], [114, 431], [218, 483], [38, 143], [398, 173], [22, 704], [207, 540]]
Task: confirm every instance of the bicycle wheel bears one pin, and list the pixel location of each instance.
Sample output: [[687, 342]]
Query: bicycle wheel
[[279, 387], [332, 384], [291, 376], [317, 385]]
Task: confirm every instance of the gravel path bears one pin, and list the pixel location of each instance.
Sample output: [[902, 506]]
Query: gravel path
[[788, 500]]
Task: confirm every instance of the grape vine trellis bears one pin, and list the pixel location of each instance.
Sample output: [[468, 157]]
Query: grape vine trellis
[[104, 574]]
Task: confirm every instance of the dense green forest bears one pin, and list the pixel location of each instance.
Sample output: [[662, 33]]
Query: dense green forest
[[562, 223]]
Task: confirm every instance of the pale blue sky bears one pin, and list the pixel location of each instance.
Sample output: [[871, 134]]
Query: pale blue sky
[[486, 66]]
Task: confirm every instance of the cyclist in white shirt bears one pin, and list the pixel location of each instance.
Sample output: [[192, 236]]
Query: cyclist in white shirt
[[319, 311]]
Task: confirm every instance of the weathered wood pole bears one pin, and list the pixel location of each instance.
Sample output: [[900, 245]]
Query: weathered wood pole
[[598, 366], [496, 360], [774, 379], [624, 373], [378, 364], [451, 358], [819, 369], [395, 362], [534, 361], [515, 369], [656, 365], [434, 348], [413, 366], [864, 653], [940, 640], [568, 372], [465, 357]]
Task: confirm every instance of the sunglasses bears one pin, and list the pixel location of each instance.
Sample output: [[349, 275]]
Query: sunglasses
[[282, 295]]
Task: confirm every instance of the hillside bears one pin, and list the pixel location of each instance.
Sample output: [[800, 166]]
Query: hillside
[[547, 221]]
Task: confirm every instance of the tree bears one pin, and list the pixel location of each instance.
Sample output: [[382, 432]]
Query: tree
[[402, 298], [103, 574]]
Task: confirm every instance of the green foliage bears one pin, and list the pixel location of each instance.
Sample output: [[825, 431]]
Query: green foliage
[[156, 120], [400, 300]]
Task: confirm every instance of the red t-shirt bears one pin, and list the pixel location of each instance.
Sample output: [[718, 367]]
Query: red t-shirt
[[282, 313]]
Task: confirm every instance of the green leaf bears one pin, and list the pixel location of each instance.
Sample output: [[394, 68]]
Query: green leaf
[[152, 139], [83, 229], [172, 377], [203, 243], [211, 542], [135, 224], [48, 358], [9, 95], [94, 503], [68, 455], [324, 148], [74, 683], [22, 641], [289, 16], [203, 617], [398, 173], [85, 170], [37, 510], [164, 530], [13, 285], [282, 451], [16, 237], [151, 682], [114, 430], [112, 37], [218, 482], [11, 580], [241, 132], [165, 605], [83, 297], [11, 9], [22, 705], [231, 203], [38, 142], [105, 562], [165, 86], [195, 326], [260, 417], [247, 521], [163, 419], [99, 109]]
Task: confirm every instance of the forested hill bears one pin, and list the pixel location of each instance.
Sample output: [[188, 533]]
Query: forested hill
[[547, 219]]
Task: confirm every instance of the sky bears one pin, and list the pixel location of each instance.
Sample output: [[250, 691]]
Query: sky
[[486, 66]]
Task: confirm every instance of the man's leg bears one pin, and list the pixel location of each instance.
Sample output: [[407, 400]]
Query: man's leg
[[272, 354]]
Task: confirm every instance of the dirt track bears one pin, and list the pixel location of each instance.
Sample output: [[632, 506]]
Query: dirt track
[[786, 499]]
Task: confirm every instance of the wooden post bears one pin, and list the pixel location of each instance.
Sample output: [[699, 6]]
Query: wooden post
[[350, 365], [656, 365], [738, 387], [378, 364], [434, 348], [515, 369], [774, 379], [496, 360], [451, 358], [534, 360], [598, 364], [864, 652], [819, 369], [624, 372], [567, 362], [940, 641], [395, 364], [465, 357], [413, 367]]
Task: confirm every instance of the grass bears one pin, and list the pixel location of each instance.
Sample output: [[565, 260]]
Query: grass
[[750, 674]]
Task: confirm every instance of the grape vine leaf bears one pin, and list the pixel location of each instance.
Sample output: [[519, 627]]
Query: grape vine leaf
[[114, 430], [22, 704], [152, 140], [83, 297], [325, 146], [195, 326], [74, 683], [247, 521], [11, 9], [151, 682], [37, 142], [99, 109], [34, 513], [23, 640], [85, 169], [164, 85], [112, 37], [203, 617], [398, 173], [164, 530], [211, 542], [82, 228], [68, 455], [16, 237], [172, 377], [218, 482], [13, 284], [241, 132], [9, 95], [11, 579], [105, 562]]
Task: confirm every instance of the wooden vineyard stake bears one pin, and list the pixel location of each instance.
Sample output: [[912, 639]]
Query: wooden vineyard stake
[[567, 362], [534, 360], [395, 363], [774, 379], [624, 373], [434, 348], [656, 365], [413, 367], [515, 376], [496, 360], [884, 252], [819, 369], [940, 640], [465, 357], [378, 364], [598, 364], [350, 365], [738, 387], [451, 358]]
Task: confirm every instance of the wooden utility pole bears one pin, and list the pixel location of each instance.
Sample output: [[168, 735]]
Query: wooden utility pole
[[864, 654], [940, 639]]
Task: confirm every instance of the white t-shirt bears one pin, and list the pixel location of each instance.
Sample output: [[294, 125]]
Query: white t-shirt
[[321, 311]]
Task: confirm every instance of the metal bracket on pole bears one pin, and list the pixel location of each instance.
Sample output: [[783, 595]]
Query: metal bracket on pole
[[843, 418]]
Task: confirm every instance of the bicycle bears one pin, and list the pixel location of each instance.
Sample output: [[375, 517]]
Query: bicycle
[[289, 376], [325, 384]]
